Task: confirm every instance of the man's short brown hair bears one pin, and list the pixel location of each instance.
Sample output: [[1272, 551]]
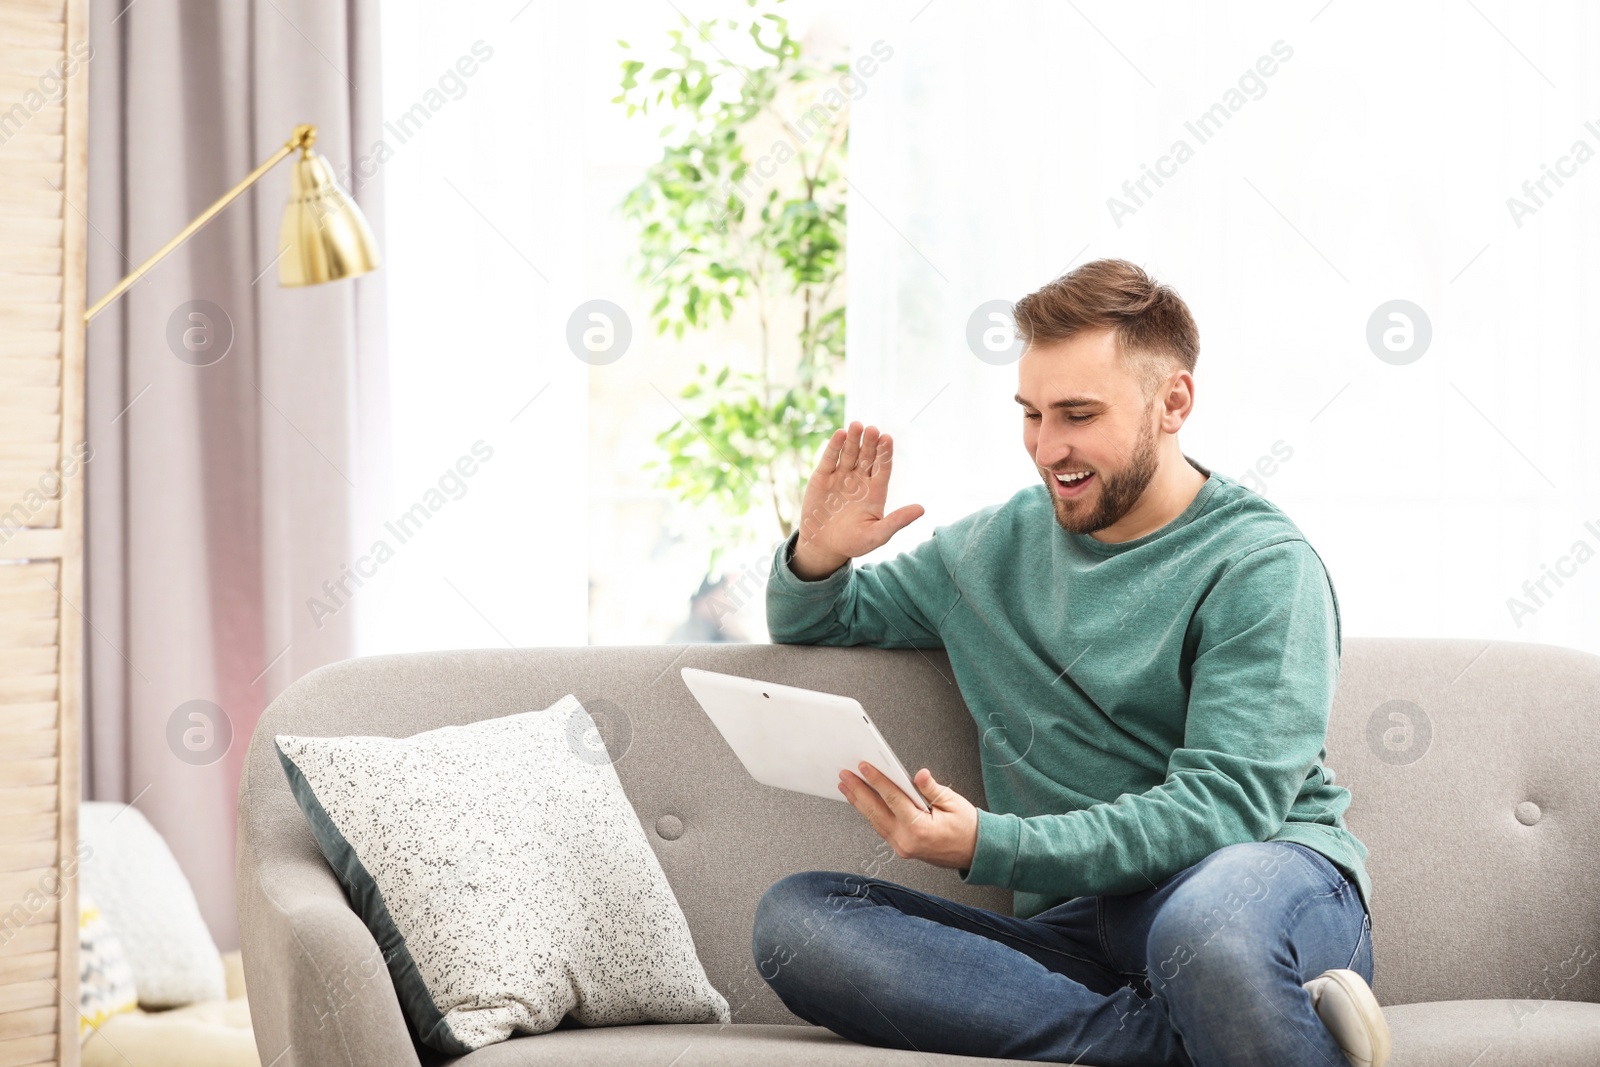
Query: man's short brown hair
[[1153, 326]]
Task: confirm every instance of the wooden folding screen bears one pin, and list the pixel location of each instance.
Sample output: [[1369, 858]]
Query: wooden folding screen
[[44, 65]]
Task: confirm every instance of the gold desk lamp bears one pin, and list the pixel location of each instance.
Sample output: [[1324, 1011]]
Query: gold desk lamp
[[324, 236]]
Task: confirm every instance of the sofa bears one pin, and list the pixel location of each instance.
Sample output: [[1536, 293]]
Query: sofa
[[1467, 760]]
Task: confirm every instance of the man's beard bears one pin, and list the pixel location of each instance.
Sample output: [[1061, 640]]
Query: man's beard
[[1116, 494]]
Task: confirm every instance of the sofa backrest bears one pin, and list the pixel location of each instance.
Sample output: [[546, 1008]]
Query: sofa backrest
[[1478, 893], [1468, 767], [722, 838]]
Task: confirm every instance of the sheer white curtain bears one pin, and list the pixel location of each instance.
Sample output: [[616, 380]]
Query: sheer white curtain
[[483, 167], [1354, 155], [504, 161]]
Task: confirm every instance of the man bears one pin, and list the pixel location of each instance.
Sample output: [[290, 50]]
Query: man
[[1150, 652]]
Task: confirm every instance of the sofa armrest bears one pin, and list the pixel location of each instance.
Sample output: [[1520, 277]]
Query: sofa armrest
[[319, 991]]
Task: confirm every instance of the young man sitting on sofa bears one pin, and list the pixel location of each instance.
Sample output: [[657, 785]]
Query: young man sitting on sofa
[[1150, 652]]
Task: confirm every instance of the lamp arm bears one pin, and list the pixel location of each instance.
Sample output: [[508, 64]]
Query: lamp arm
[[302, 138]]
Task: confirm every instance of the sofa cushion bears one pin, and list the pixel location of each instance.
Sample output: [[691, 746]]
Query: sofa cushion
[[505, 876], [215, 1033], [706, 1045], [1494, 1033], [1454, 1033]]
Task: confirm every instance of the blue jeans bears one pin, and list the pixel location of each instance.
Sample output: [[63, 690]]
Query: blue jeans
[[1202, 970]]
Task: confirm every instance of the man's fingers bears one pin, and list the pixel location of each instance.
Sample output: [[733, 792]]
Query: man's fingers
[[934, 790], [831, 452], [852, 447], [882, 457], [870, 438], [900, 805], [900, 518], [865, 798], [875, 470]]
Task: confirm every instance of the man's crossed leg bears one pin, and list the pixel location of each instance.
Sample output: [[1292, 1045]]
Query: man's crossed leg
[[1203, 969]]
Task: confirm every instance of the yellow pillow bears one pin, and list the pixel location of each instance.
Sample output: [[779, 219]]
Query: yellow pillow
[[105, 981]]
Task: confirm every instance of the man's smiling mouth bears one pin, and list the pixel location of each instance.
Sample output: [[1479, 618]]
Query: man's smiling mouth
[[1071, 483]]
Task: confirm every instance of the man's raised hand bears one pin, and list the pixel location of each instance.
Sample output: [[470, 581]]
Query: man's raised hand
[[842, 515]]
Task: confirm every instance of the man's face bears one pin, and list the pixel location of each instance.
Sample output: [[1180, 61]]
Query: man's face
[[1086, 419]]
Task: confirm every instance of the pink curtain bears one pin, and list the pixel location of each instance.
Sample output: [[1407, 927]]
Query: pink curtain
[[237, 429]]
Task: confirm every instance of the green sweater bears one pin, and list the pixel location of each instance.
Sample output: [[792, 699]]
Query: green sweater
[[1140, 705]]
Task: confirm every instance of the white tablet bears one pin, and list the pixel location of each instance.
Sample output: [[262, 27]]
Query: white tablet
[[795, 738]]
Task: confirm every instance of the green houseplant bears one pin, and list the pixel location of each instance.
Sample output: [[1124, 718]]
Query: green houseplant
[[745, 209]]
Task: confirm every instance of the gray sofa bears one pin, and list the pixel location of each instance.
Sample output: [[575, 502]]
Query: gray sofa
[[1469, 764]]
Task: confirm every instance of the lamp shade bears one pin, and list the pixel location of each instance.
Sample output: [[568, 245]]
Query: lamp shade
[[324, 235]]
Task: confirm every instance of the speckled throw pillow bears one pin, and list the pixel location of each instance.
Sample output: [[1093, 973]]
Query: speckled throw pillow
[[504, 875]]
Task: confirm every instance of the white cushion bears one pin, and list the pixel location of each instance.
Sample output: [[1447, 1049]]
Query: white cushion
[[136, 882], [504, 874]]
